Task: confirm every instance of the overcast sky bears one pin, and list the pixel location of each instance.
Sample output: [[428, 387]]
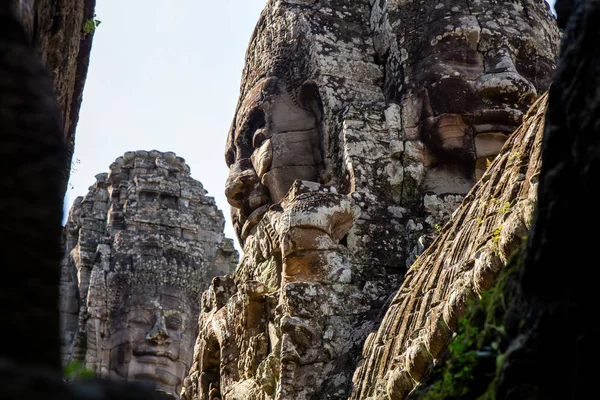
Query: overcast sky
[[163, 75]]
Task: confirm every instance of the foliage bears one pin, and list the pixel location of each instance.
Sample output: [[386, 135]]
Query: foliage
[[70, 171], [515, 154], [496, 234], [504, 209], [91, 24], [476, 354], [472, 351], [75, 370]]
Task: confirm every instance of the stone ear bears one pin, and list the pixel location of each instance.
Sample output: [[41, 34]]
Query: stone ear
[[310, 99]]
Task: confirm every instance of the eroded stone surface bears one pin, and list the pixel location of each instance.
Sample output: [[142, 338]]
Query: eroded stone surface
[[349, 150], [280, 323], [141, 247], [56, 29], [463, 73], [464, 261]]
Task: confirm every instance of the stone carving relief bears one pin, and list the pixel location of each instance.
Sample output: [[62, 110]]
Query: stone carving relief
[[274, 141], [277, 327], [463, 74], [464, 261], [143, 243], [261, 329], [344, 157], [141, 329]]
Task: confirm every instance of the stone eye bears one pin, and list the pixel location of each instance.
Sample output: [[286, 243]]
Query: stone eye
[[139, 321], [229, 156], [527, 66], [254, 126], [258, 138], [174, 322]]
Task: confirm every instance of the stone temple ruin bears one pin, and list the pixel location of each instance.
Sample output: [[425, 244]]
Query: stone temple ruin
[[399, 220], [140, 248], [374, 187], [359, 130]]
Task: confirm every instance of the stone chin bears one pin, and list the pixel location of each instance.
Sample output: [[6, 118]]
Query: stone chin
[[151, 371], [159, 376]]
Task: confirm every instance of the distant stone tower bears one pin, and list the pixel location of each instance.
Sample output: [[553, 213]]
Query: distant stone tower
[[140, 248]]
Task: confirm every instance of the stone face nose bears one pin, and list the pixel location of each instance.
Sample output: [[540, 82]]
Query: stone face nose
[[240, 182], [158, 333], [504, 84]]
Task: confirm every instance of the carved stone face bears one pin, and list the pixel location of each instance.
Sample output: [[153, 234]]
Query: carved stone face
[[470, 71], [151, 337], [274, 141]]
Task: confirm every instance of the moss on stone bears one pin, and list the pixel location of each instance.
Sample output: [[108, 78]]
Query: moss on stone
[[470, 366]]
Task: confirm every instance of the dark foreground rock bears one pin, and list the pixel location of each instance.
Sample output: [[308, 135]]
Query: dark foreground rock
[[548, 357], [61, 31], [32, 158]]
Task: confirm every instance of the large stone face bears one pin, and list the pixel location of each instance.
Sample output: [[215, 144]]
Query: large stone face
[[349, 147], [140, 248], [57, 29], [463, 72]]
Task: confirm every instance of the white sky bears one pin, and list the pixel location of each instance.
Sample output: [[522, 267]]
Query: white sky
[[163, 75]]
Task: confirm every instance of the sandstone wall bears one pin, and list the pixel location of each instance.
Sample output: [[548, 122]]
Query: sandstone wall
[[57, 29]]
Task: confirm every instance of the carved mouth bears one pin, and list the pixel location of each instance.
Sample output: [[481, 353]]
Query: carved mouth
[[256, 200], [494, 128], [504, 120], [153, 355], [254, 208], [154, 359]]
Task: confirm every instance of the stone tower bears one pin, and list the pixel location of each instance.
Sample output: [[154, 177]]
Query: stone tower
[[140, 248], [360, 128]]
